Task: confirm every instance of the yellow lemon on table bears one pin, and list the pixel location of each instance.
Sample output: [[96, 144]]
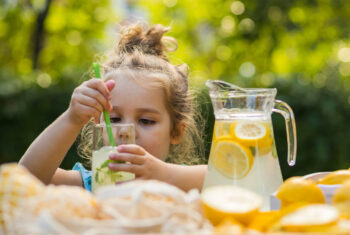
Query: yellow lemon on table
[[311, 218], [297, 189], [251, 133], [274, 223], [229, 226], [341, 200], [269, 221], [263, 221], [335, 177], [228, 201], [343, 226], [231, 159]]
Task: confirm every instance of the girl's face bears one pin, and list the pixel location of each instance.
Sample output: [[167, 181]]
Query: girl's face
[[145, 108]]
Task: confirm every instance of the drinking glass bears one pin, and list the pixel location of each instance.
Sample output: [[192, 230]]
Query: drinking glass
[[102, 148]]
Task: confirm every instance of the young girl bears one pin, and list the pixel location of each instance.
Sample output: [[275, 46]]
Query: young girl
[[142, 87]]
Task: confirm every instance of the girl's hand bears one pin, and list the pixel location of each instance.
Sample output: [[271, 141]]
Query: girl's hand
[[142, 164], [89, 99]]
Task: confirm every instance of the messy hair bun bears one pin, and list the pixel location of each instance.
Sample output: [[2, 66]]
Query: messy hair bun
[[151, 42]]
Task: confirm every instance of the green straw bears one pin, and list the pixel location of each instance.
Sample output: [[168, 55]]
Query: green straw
[[105, 113]]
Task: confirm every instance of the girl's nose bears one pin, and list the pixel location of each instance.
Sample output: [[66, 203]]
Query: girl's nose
[[126, 134]]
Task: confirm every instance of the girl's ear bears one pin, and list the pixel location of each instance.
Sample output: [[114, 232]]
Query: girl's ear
[[178, 133]]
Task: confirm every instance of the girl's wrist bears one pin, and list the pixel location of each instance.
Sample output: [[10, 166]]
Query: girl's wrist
[[171, 173], [168, 172], [71, 120], [186, 177]]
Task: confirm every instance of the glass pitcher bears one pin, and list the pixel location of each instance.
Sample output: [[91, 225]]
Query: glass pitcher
[[243, 151]]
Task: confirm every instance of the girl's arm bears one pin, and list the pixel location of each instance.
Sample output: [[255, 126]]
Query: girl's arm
[[46, 153], [65, 177], [187, 177]]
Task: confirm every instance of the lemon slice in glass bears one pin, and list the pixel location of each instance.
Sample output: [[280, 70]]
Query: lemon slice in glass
[[228, 201], [251, 133], [231, 159]]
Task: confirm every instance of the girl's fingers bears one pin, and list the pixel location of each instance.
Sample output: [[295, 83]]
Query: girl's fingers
[[110, 84], [99, 85], [91, 102], [127, 157], [136, 169], [95, 94], [89, 112], [131, 148]]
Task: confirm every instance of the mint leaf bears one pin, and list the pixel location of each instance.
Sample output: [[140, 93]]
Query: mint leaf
[[105, 163], [96, 177]]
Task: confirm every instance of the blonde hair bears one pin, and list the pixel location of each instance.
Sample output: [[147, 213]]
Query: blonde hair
[[143, 50]]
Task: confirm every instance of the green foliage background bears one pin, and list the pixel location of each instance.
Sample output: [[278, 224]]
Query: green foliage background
[[300, 47]]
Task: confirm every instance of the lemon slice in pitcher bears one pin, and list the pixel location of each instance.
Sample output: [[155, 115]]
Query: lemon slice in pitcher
[[231, 159], [251, 133], [221, 129]]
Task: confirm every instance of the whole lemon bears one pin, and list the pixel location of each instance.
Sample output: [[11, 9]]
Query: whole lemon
[[297, 189], [335, 177]]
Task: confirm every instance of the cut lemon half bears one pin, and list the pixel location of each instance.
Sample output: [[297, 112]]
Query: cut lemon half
[[229, 226], [274, 224], [263, 221], [231, 159], [230, 201], [341, 200], [251, 133], [311, 218]]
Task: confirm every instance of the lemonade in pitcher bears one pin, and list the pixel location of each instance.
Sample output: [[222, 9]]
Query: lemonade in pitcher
[[243, 151]]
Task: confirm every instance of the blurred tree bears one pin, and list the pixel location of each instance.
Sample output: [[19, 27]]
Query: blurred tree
[[38, 33], [46, 48], [254, 42], [50, 38]]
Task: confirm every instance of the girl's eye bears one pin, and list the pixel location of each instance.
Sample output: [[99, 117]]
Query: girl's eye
[[146, 121], [115, 119]]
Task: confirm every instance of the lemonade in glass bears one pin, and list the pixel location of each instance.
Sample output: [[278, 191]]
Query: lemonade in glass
[[101, 174]]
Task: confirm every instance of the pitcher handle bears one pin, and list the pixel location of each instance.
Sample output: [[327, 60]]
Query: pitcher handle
[[285, 110]]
